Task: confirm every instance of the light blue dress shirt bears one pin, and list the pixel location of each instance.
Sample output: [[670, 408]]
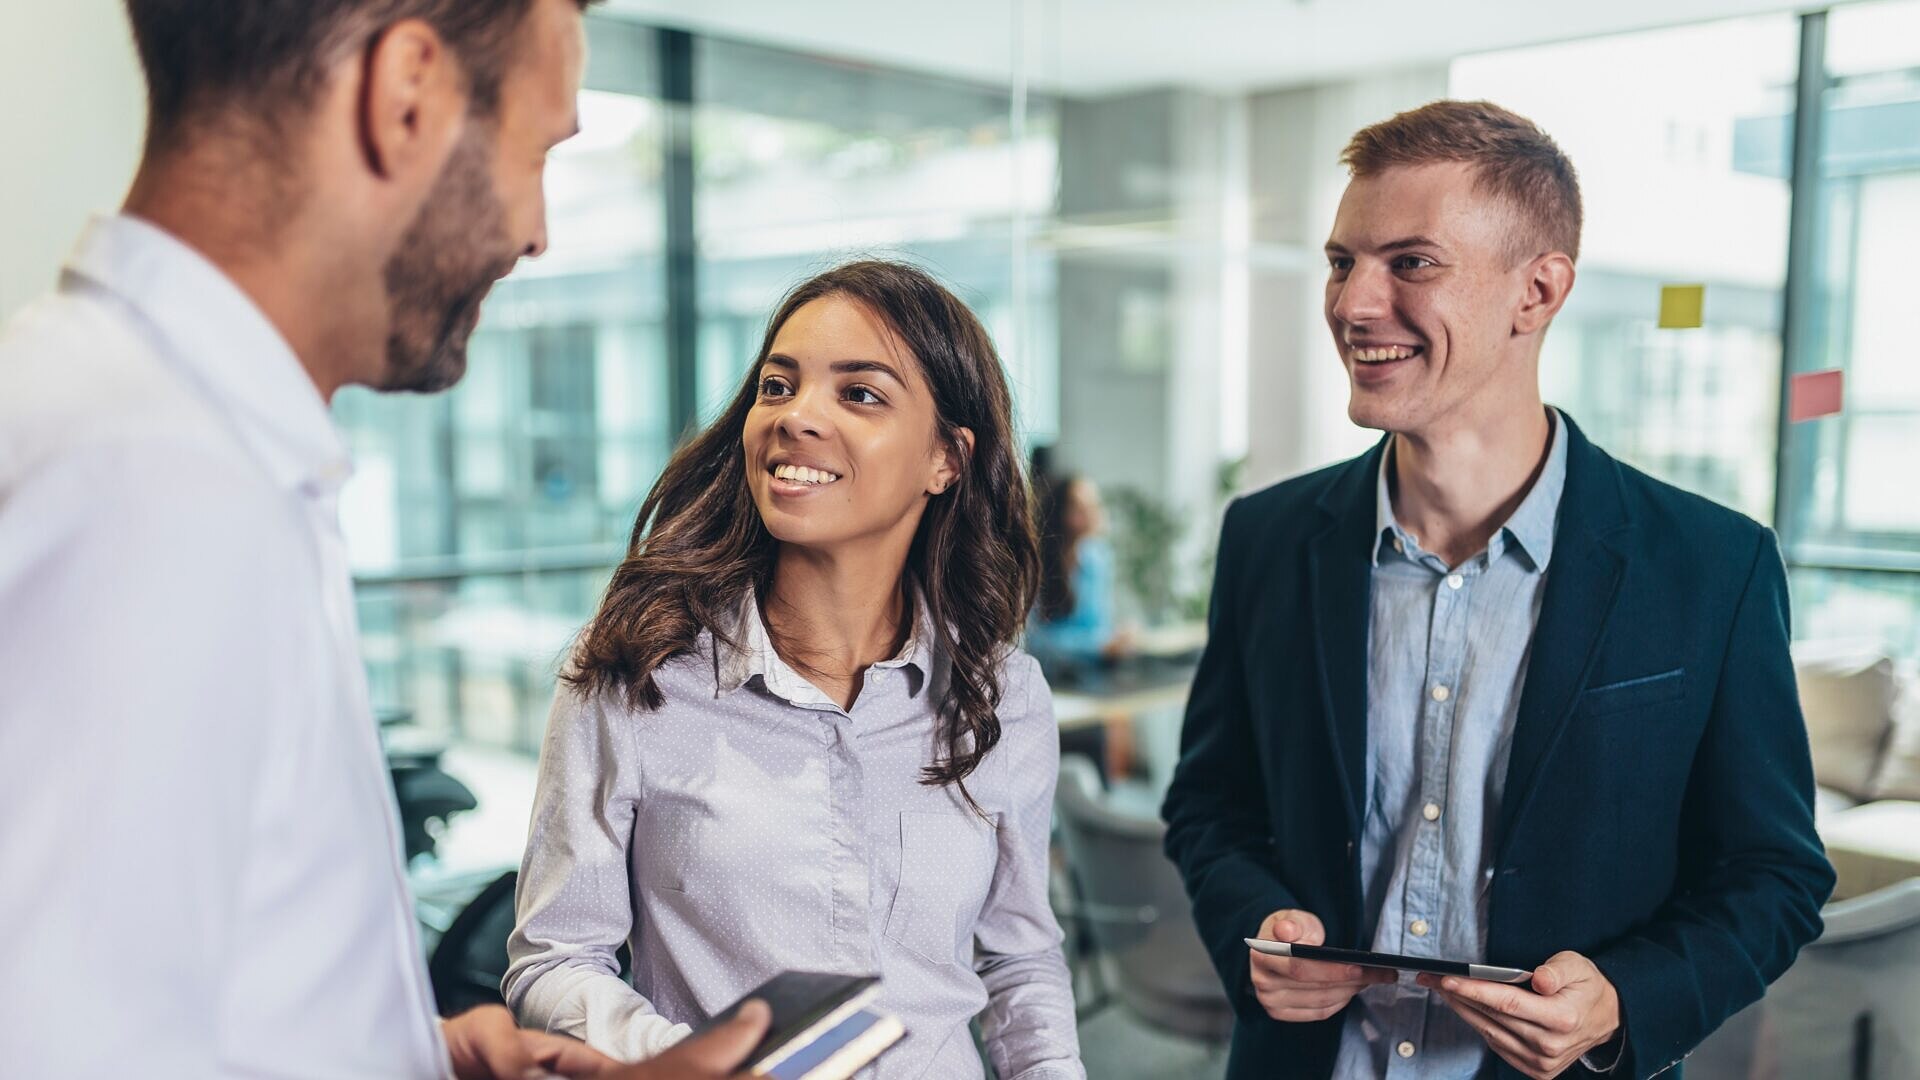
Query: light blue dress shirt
[[1082, 633], [1447, 658]]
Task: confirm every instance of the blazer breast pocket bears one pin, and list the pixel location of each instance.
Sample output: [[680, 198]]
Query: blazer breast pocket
[[1637, 693]]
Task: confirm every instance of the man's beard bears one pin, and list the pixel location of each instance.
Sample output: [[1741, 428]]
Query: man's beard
[[451, 255]]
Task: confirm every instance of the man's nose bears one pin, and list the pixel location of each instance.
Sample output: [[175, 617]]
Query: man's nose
[[1364, 296]]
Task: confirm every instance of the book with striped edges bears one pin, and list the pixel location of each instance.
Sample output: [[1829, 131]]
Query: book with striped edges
[[822, 1028]]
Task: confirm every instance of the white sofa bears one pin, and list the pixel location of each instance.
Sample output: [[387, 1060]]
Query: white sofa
[[1863, 722], [1850, 1005]]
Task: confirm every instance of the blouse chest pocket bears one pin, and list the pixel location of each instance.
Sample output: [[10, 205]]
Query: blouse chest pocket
[[947, 862]]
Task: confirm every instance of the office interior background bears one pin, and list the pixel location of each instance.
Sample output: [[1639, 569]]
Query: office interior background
[[1133, 195]]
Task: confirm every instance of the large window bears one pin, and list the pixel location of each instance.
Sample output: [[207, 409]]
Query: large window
[[1689, 174], [1146, 258], [1668, 200], [1850, 506], [483, 522], [802, 161]]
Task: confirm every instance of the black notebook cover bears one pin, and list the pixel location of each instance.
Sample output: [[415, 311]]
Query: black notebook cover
[[799, 1000]]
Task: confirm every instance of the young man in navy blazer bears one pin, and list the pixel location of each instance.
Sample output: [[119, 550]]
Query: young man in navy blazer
[[1484, 693]]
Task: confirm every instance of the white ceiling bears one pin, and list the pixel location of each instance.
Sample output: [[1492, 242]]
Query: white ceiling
[[1096, 46]]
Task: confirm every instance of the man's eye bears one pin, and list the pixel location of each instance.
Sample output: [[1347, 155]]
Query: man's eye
[[1340, 265], [1412, 262]]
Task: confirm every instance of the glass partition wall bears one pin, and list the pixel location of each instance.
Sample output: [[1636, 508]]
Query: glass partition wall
[[1148, 261]]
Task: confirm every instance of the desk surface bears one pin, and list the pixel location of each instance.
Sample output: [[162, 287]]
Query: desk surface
[[1078, 708], [1172, 640]]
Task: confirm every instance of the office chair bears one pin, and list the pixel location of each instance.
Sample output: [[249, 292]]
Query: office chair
[[471, 958], [1133, 901]]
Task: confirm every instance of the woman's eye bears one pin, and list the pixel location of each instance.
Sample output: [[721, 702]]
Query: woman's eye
[[860, 395], [771, 387]]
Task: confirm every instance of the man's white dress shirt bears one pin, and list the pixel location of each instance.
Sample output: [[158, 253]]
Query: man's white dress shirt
[[201, 861]]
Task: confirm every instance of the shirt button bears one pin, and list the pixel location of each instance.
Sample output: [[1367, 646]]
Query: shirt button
[[1399, 546], [1431, 811], [1419, 927], [1405, 1049], [1441, 693], [1454, 581]]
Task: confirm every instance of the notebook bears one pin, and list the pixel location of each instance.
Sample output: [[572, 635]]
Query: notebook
[[822, 1028]]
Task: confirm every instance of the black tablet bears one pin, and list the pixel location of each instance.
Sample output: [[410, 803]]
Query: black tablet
[[1489, 972]]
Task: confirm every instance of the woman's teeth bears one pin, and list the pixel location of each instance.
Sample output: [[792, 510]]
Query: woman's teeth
[[804, 475], [1378, 356]]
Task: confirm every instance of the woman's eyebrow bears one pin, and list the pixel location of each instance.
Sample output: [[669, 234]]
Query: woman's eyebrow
[[841, 367], [850, 366]]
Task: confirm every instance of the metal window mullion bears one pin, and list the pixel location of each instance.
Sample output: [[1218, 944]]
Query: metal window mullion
[[1792, 479], [682, 255]]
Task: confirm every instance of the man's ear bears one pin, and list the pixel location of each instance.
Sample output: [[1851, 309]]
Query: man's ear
[[413, 101], [1548, 282], [952, 460]]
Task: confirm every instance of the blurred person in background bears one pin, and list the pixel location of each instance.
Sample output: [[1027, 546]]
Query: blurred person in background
[[1074, 622], [1074, 631]]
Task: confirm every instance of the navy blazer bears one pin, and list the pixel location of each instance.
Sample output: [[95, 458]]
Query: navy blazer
[[1658, 815]]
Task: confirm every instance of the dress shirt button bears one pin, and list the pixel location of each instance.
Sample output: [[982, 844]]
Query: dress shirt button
[[1431, 811], [1454, 581], [1441, 693], [1405, 1049], [1419, 927], [1399, 546]]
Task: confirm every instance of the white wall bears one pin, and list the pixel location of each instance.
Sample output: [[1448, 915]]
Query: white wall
[[72, 107]]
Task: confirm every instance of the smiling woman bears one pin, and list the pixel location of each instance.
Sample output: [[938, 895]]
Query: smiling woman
[[874, 372], [772, 747]]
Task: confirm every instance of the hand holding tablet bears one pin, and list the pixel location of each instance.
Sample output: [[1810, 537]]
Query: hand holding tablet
[[1297, 979], [1299, 990]]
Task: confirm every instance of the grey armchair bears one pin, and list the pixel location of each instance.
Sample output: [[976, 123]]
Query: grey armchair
[[1132, 900], [1848, 1009]]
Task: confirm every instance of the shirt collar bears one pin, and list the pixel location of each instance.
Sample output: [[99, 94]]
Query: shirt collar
[[1529, 530], [752, 653], [223, 342]]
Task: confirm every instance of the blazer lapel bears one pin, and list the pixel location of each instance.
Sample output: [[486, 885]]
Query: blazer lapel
[[1583, 581], [1340, 579]]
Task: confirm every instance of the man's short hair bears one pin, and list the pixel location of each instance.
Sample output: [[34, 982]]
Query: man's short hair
[[1513, 158], [268, 56]]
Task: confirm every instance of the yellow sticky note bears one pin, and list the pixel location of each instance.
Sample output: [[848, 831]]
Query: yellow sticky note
[[1680, 306]]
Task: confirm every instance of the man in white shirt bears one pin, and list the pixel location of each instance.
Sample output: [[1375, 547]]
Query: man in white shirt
[[202, 867]]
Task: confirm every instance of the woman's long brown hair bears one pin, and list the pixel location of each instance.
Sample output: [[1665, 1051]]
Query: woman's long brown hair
[[699, 545]]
